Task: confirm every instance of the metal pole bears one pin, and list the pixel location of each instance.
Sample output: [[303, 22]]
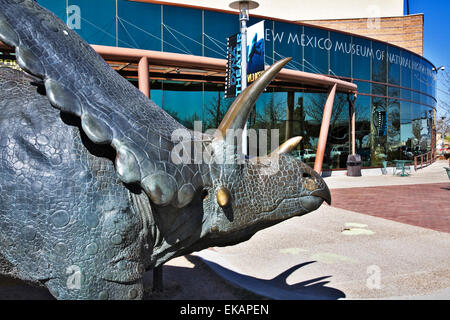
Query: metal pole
[[244, 6], [143, 76], [354, 125], [327, 111], [243, 18]]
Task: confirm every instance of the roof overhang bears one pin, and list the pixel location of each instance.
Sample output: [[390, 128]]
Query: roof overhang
[[215, 65], [123, 59]]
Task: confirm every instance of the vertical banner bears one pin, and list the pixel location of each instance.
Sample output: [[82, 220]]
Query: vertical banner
[[255, 51], [233, 80]]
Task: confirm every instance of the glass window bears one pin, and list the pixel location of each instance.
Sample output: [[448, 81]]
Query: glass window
[[424, 129], [268, 36], [379, 130], [363, 86], [394, 92], [362, 58], [416, 74], [394, 59], [182, 35], [288, 43], [379, 89], [406, 132], [338, 141], [308, 113], [185, 106], [406, 69], [379, 62], [416, 127], [406, 94], [57, 7], [316, 50], [394, 150], [97, 26], [216, 34], [215, 108], [270, 113], [139, 25], [340, 55], [362, 129]]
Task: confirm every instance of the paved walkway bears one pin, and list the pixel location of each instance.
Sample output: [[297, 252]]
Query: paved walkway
[[423, 205], [365, 246], [355, 249]]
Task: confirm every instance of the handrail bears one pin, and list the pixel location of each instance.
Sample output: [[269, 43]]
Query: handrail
[[429, 158]]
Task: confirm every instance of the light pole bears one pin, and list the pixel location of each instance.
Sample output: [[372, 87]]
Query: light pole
[[244, 6], [441, 68], [444, 131]]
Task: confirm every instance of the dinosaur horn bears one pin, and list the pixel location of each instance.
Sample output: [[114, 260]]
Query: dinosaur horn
[[287, 146], [238, 113]]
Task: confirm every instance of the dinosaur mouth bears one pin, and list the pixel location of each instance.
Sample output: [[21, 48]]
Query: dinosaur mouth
[[323, 193]]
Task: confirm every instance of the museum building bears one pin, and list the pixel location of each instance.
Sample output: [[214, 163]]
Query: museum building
[[384, 96]]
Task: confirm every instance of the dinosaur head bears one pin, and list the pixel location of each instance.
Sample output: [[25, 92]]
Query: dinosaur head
[[248, 194], [240, 195], [257, 194]]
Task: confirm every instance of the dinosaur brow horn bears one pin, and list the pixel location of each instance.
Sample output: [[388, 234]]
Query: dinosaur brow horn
[[238, 113]]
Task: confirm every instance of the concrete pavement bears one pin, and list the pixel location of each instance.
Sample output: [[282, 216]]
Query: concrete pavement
[[334, 253]]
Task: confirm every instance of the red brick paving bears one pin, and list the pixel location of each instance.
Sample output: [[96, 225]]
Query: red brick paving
[[423, 205]]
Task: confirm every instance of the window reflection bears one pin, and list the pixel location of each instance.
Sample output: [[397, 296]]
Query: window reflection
[[379, 62], [394, 144], [406, 130], [362, 129], [215, 108], [183, 105], [393, 113], [379, 130]]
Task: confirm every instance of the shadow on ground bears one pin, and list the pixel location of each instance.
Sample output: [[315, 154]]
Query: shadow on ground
[[200, 282], [278, 288]]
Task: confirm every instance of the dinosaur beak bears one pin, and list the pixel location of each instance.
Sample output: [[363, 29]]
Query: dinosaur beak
[[324, 194]]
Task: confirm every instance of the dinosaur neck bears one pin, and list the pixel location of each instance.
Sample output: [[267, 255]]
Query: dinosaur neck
[[167, 232]]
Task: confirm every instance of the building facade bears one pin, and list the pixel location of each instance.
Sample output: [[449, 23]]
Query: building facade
[[396, 87]]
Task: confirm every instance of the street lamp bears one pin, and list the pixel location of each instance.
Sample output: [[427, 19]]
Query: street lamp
[[244, 6], [444, 130]]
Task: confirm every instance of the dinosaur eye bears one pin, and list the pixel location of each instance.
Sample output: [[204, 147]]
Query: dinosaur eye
[[306, 175], [204, 194]]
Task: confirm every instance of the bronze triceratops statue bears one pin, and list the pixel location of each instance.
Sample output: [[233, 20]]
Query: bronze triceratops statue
[[89, 181]]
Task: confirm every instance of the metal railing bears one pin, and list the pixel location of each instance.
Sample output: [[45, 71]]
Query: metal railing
[[425, 159]]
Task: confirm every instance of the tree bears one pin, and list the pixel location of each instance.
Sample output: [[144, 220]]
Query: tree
[[443, 126], [443, 109], [216, 110]]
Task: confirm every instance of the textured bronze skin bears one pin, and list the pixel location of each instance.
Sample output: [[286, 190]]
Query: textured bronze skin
[[88, 185]]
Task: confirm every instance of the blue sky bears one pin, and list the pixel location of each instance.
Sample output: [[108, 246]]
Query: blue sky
[[436, 34]]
